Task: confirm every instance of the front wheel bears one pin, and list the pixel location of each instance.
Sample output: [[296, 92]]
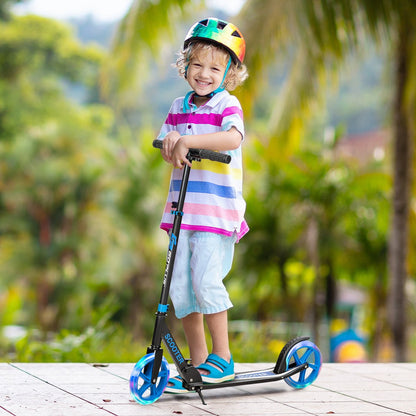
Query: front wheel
[[141, 387], [301, 353]]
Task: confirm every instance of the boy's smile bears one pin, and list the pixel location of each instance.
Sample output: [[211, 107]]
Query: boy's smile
[[206, 71]]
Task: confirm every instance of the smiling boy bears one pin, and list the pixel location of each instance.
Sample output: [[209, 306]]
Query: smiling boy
[[208, 117]]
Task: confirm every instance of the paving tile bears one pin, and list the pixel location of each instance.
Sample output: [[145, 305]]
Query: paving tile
[[353, 407], [355, 414], [80, 389], [305, 396], [228, 394], [386, 372], [18, 409], [248, 408], [384, 396], [48, 401], [15, 376], [408, 366], [347, 386], [403, 406], [122, 370], [105, 398], [67, 373], [410, 384], [45, 396], [259, 411], [155, 410]]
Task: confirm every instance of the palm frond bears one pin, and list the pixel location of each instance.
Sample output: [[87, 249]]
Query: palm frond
[[265, 34], [314, 38], [143, 33]]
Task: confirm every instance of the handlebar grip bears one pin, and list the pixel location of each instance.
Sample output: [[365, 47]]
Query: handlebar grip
[[201, 153], [158, 144]]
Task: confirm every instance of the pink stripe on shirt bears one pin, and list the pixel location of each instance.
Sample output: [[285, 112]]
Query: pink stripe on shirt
[[229, 111], [211, 119], [204, 118], [244, 229], [209, 210]]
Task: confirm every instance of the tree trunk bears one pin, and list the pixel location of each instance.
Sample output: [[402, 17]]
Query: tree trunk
[[399, 233], [330, 291], [314, 256]]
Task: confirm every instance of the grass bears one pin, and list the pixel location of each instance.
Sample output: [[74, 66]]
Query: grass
[[114, 343]]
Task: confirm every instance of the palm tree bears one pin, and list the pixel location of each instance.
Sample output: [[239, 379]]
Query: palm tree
[[141, 36], [323, 33], [313, 37], [403, 152]]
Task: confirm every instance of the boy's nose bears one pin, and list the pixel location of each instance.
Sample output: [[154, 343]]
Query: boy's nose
[[204, 72]]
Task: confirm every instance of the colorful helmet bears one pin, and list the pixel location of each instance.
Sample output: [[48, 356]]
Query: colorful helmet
[[219, 32]]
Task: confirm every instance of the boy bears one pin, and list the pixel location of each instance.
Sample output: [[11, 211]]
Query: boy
[[213, 221]]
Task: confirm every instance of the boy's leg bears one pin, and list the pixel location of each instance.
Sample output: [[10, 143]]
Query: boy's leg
[[218, 328], [220, 359], [193, 325]]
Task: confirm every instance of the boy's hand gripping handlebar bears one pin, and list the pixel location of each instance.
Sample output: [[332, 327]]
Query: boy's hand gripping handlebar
[[197, 154]]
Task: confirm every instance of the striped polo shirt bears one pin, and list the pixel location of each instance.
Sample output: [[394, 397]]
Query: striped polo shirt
[[214, 201]]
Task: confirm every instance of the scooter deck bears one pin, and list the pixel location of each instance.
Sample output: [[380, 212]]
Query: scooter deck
[[255, 377]]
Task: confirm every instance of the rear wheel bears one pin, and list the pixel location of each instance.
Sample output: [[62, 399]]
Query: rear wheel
[[300, 353]]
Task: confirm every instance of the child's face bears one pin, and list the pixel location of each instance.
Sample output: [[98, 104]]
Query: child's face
[[206, 70]]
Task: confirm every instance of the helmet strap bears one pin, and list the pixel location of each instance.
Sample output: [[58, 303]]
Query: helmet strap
[[186, 102], [221, 87]]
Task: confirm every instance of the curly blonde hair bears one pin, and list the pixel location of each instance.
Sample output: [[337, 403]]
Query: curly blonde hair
[[236, 75]]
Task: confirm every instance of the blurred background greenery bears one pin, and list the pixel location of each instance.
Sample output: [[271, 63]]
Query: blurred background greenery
[[329, 102]]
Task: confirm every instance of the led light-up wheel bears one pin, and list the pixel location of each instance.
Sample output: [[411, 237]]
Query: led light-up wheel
[[300, 353], [141, 387]]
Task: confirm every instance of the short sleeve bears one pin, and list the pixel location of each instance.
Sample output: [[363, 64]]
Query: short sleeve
[[232, 116]]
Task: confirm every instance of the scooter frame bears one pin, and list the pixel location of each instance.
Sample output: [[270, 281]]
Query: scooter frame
[[153, 370]]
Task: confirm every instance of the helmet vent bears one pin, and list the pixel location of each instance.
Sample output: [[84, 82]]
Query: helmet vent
[[221, 25], [204, 22], [236, 34]]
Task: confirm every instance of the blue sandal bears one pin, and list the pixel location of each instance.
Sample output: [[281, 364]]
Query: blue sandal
[[224, 372], [175, 386]]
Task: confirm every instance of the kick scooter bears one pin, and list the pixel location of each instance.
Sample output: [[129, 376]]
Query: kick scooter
[[299, 361]]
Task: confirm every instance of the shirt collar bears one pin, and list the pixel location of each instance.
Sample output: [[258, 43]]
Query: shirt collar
[[211, 103]]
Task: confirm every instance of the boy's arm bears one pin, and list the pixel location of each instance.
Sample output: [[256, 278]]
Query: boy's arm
[[169, 142], [220, 141]]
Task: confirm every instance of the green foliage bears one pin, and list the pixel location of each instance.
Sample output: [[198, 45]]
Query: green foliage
[[81, 194], [103, 341], [36, 54], [274, 275], [256, 346], [33, 44], [76, 205]]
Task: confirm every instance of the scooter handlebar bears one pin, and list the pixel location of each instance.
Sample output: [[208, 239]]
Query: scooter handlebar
[[201, 153]]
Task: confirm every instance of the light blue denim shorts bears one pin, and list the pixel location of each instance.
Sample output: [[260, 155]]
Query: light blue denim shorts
[[203, 259]]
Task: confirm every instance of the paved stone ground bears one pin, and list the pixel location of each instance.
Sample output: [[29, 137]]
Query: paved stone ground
[[87, 390]]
